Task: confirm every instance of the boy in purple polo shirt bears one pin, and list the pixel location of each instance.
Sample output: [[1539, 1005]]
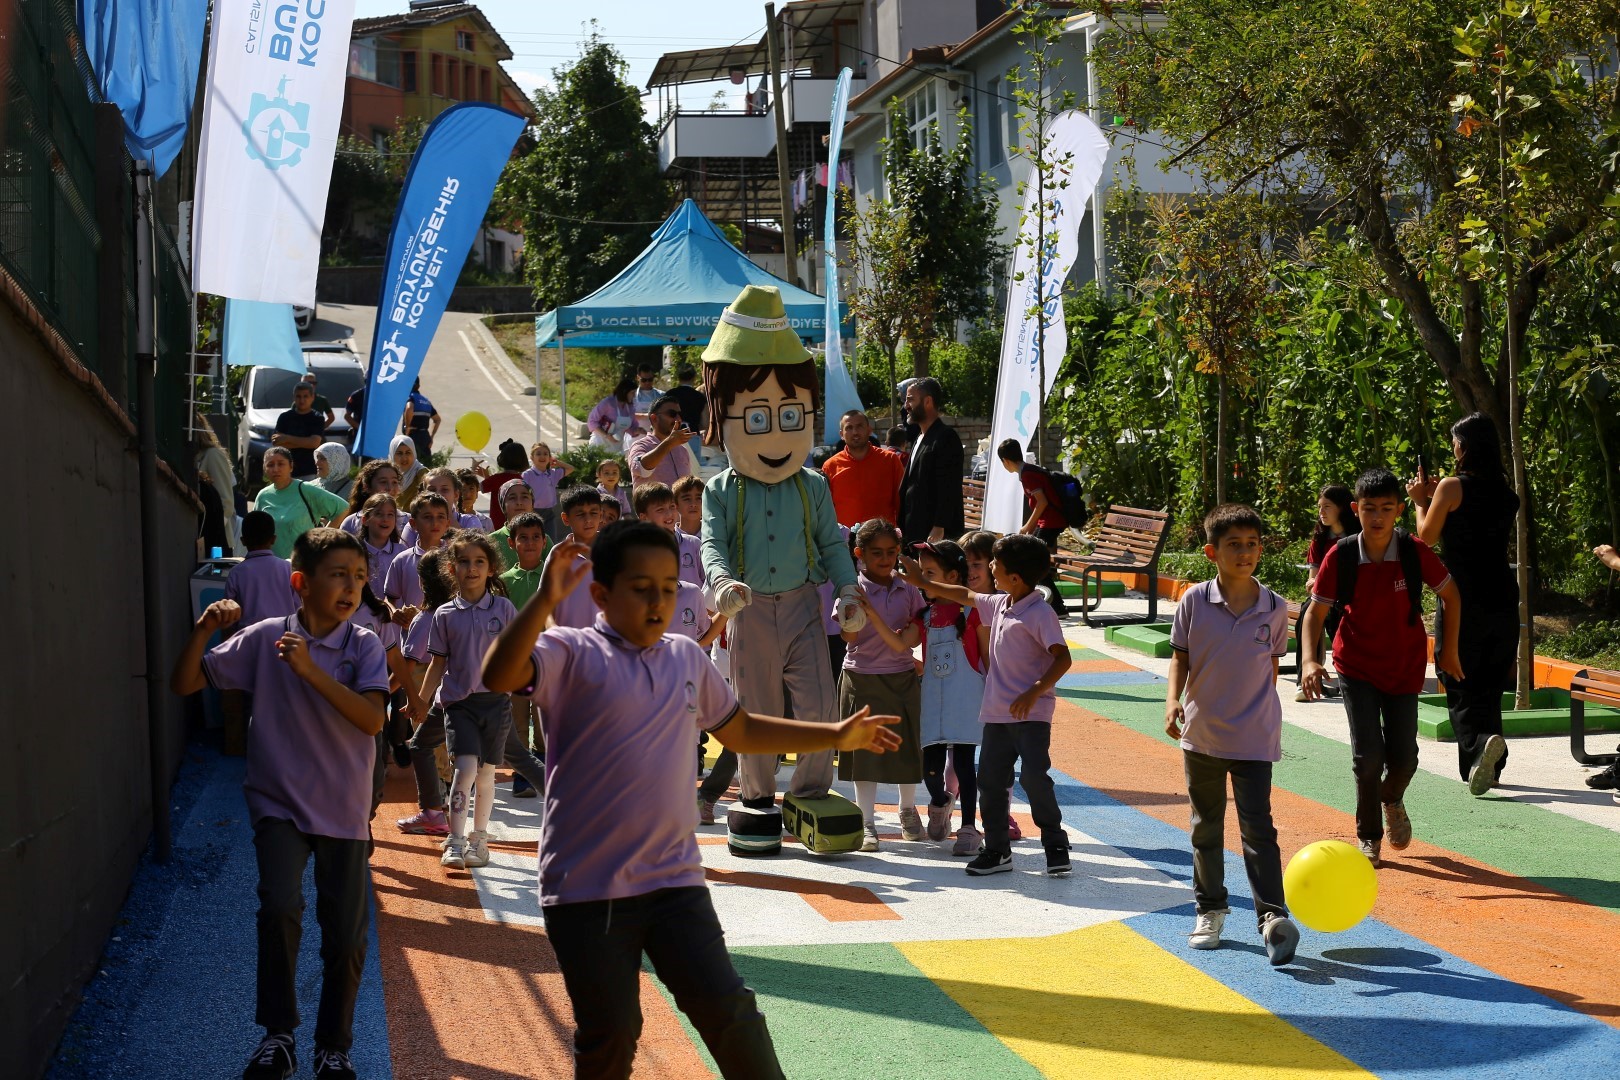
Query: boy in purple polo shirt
[[582, 513], [431, 515], [261, 584], [1027, 657], [1227, 635], [656, 503], [620, 874], [319, 685]]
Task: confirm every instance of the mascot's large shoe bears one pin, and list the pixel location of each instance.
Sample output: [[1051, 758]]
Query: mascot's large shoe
[[829, 825], [754, 830]]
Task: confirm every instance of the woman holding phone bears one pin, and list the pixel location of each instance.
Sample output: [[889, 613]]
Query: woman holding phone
[[1470, 515]]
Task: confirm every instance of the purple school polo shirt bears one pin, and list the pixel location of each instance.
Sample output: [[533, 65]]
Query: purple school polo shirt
[[620, 719], [691, 618], [691, 556], [475, 521], [355, 525], [1021, 636], [414, 647], [386, 631], [577, 608], [404, 587], [305, 762], [462, 633], [1231, 696], [378, 559], [262, 584], [897, 604], [544, 485]]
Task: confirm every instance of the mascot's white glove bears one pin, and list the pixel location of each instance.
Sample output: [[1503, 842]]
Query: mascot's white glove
[[851, 616], [731, 597]]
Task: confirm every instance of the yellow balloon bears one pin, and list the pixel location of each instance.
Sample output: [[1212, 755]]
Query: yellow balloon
[[1330, 886], [472, 431]]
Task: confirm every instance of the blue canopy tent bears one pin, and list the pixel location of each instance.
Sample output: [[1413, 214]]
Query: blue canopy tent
[[673, 294]]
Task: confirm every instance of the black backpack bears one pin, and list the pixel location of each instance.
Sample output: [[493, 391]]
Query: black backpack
[[1348, 563], [1071, 501]]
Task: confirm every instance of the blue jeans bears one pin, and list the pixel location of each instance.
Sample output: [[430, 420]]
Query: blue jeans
[[599, 945]]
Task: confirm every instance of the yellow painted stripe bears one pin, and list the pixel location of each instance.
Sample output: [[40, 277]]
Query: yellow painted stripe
[[1107, 1002]]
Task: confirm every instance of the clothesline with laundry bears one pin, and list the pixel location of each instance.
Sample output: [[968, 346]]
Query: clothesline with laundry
[[817, 176]]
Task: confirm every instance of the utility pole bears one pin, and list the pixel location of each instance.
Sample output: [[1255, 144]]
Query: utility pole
[[1521, 481], [773, 56]]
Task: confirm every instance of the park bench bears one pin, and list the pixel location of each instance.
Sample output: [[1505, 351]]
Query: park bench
[[973, 504], [1129, 540], [1598, 687]]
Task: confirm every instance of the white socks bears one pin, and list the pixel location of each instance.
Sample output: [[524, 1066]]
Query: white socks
[[866, 797]]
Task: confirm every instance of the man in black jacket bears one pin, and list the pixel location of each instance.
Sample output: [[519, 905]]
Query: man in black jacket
[[931, 492]]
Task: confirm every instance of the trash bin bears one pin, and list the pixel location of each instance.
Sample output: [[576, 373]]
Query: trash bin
[[208, 585]]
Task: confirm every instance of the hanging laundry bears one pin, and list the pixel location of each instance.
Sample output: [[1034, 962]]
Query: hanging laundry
[[846, 174], [821, 174]]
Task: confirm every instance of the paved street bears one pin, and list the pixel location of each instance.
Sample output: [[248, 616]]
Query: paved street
[[461, 374]]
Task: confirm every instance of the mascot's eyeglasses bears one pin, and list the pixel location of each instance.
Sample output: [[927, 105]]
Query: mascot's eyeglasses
[[757, 419]]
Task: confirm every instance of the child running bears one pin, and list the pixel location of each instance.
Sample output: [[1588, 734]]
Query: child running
[[878, 674], [1227, 637], [403, 588], [621, 702], [1028, 656], [376, 478], [582, 513], [978, 545], [1376, 578], [542, 476], [261, 584], [655, 502], [443, 483], [318, 684], [426, 743], [952, 691], [607, 482], [477, 720], [379, 535], [528, 538]]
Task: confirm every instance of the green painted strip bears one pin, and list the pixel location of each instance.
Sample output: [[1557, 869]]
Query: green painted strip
[[837, 1011], [1076, 653], [1574, 857]]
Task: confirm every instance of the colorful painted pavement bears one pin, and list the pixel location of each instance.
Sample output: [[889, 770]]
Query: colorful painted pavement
[[1490, 951]]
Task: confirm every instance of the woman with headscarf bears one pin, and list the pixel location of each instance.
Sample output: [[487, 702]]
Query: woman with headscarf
[[1471, 516], [332, 468], [214, 469], [402, 452], [614, 416]]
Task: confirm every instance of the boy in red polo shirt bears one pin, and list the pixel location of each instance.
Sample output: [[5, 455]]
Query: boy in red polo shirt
[[1380, 653]]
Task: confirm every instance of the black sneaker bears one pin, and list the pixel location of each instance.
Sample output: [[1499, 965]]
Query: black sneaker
[[333, 1065], [1057, 861], [521, 788], [273, 1060], [1607, 780], [402, 755], [989, 862]]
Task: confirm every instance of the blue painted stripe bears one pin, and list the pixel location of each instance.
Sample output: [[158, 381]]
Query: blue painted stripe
[[1390, 1002], [1078, 680]]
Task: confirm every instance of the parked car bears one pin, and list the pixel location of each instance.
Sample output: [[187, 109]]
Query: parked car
[[303, 317], [267, 392]]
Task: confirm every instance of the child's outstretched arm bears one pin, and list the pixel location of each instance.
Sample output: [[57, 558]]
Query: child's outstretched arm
[[430, 688], [365, 711], [746, 733], [188, 677], [717, 624], [902, 640], [911, 572], [509, 663], [1061, 660]]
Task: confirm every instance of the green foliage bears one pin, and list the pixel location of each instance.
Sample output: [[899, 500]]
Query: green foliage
[[593, 166], [366, 182], [585, 458], [1278, 570], [1596, 642], [966, 371]]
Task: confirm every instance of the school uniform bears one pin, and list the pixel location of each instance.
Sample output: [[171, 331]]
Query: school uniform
[[544, 485], [378, 559], [429, 734], [308, 792], [691, 618], [355, 525], [1021, 637], [691, 556], [577, 609], [477, 719], [619, 495], [885, 679], [1381, 655], [475, 521], [617, 885], [1232, 727], [262, 585], [389, 635]]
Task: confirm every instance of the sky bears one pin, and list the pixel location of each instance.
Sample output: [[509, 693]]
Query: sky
[[544, 34]]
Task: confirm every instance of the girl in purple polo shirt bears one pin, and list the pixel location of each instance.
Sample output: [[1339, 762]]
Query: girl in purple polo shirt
[[878, 674], [379, 535], [543, 475], [476, 719]]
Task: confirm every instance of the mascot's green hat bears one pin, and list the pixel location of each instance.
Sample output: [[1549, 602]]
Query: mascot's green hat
[[754, 330]]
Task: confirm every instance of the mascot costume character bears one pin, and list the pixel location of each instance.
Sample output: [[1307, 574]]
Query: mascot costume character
[[770, 537]]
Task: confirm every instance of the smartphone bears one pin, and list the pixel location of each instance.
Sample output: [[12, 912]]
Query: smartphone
[[1423, 473]]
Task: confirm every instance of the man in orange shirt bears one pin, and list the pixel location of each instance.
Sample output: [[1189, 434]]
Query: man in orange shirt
[[864, 477]]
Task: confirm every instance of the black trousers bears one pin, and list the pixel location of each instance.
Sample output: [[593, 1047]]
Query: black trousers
[[967, 780], [720, 777], [1383, 750], [342, 880], [1487, 645], [599, 945], [1251, 790], [1050, 538], [1005, 744]]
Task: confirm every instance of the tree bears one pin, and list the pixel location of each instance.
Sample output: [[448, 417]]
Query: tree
[[366, 181], [881, 297], [588, 193], [1216, 265], [950, 219], [1355, 107]]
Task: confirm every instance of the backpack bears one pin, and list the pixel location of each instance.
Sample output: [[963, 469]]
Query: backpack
[[1348, 565], [1071, 501]]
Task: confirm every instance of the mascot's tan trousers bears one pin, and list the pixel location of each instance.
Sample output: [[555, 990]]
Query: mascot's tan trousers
[[778, 644]]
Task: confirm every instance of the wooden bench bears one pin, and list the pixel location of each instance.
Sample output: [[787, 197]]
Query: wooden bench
[[1600, 688], [1129, 540], [973, 504]]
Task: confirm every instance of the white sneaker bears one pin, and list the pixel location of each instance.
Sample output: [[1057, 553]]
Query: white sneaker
[[455, 854], [1207, 931], [477, 853]]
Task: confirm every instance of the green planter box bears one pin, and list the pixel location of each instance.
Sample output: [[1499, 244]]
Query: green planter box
[[1548, 715], [1150, 638], [1070, 590]]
